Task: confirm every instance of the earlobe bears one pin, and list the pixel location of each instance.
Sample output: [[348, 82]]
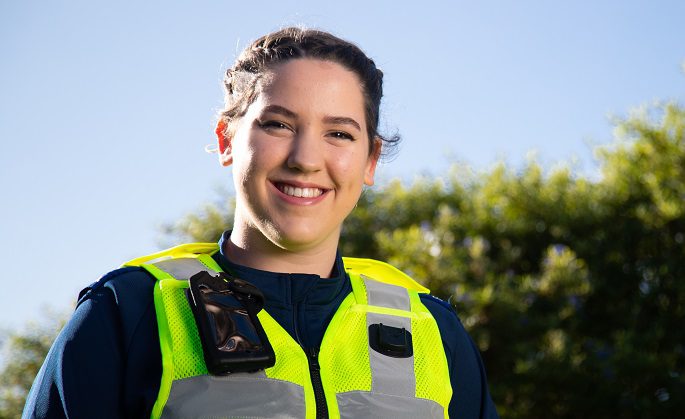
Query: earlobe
[[372, 163], [225, 155]]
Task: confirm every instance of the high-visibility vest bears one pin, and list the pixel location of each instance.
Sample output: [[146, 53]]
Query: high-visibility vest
[[357, 380]]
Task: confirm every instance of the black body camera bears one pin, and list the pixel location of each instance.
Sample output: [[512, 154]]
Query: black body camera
[[225, 311]]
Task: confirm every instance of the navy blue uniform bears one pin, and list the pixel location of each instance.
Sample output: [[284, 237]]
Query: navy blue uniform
[[107, 361]]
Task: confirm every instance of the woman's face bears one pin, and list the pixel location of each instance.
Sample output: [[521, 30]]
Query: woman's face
[[300, 155]]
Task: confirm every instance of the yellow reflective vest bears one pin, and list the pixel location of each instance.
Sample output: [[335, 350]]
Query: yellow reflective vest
[[348, 376]]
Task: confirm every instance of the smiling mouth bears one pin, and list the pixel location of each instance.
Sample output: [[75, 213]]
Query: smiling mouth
[[299, 192]]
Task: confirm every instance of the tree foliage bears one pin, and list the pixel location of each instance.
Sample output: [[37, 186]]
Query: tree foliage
[[572, 288], [23, 353]]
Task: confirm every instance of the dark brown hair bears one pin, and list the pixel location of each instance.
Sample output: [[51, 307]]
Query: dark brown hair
[[241, 82]]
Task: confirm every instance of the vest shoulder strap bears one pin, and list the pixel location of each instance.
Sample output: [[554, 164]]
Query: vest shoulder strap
[[189, 250], [382, 272]]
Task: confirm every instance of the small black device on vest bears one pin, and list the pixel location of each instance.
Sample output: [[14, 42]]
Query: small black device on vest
[[225, 310], [391, 341]]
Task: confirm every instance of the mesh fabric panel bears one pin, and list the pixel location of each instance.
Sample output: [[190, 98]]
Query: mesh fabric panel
[[291, 361], [185, 340], [430, 363], [349, 363]]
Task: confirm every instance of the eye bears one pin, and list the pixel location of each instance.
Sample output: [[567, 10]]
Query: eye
[[273, 125], [341, 135]]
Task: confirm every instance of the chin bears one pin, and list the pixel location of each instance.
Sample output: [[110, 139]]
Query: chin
[[297, 239]]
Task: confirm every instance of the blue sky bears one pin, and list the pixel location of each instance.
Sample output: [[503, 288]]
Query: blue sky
[[106, 107]]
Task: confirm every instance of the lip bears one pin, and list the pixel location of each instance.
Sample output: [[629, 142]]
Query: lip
[[299, 200]]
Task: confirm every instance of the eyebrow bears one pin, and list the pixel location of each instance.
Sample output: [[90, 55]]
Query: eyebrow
[[280, 110], [341, 120]]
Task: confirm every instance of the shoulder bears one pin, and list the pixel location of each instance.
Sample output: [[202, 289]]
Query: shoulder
[[125, 294], [454, 336], [106, 357], [458, 344], [439, 308], [118, 283]]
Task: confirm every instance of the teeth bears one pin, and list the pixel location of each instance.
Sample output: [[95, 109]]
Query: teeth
[[301, 192]]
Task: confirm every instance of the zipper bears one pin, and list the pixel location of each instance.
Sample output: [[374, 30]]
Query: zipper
[[314, 371]]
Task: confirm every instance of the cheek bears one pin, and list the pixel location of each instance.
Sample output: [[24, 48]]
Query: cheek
[[254, 160], [350, 166], [245, 162]]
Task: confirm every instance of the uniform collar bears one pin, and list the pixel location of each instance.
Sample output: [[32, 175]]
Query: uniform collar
[[281, 288]]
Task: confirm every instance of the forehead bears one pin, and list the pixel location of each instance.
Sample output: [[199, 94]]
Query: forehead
[[313, 86]]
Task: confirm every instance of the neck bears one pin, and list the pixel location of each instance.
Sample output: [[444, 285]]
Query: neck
[[249, 247]]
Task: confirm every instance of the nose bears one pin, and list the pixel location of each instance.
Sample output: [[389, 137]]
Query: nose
[[306, 153]]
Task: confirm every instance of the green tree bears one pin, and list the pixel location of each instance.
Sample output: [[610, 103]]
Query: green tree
[[23, 354]]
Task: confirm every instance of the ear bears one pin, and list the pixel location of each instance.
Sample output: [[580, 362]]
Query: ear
[[225, 155], [372, 162]]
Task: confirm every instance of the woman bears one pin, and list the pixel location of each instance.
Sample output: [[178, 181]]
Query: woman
[[349, 338]]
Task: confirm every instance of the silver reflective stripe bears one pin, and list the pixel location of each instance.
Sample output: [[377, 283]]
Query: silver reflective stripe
[[392, 376], [361, 404], [183, 268], [389, 376], [386, 295], [242, 395]]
